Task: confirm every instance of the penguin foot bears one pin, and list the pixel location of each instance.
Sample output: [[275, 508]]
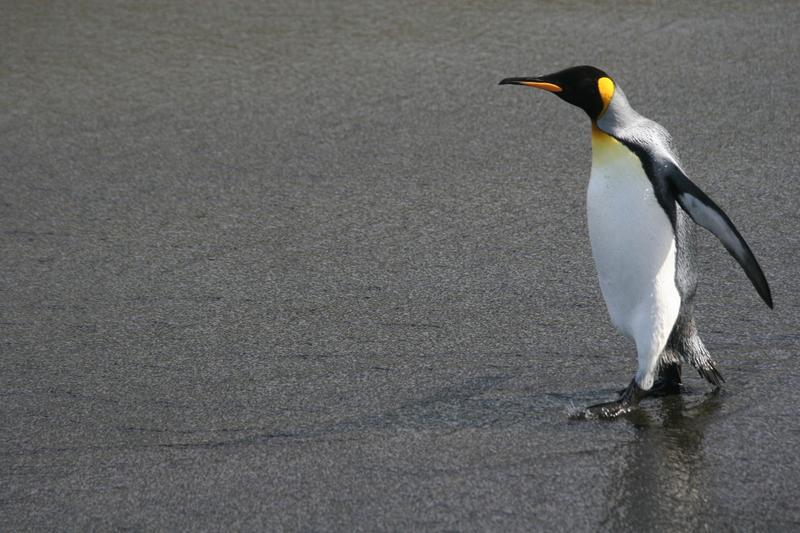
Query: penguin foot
[[628, 400], [608, 410]]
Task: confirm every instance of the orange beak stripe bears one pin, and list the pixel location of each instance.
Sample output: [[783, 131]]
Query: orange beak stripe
[[551, 87]]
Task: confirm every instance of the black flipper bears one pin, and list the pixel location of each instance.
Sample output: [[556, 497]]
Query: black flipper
[[707, 214]]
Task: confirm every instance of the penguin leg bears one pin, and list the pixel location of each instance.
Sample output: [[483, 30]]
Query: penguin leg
[[651, 340], [668, 381]]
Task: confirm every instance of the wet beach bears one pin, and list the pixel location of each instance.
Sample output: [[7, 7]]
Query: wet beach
[[306, 266]]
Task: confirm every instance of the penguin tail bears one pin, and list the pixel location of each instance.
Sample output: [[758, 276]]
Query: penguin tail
[[710, 373], [696, 353], [686, 342]]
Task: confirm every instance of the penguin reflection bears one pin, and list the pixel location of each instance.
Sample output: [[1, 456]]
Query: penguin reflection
[[661, 483]]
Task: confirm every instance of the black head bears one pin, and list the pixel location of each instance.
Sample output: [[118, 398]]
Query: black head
[[586, 87]]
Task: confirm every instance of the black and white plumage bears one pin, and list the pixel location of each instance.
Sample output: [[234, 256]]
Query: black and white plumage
[[640, 205]]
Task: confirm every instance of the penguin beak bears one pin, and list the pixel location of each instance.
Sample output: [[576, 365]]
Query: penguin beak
[[533, 82]]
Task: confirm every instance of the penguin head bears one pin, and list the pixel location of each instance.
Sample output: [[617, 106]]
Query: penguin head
[[587, 87]]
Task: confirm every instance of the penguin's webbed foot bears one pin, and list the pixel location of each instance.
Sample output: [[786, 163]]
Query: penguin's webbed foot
[[608, 410], [627, 402]]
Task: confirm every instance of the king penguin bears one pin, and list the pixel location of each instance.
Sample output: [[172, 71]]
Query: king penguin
[[640, 205]]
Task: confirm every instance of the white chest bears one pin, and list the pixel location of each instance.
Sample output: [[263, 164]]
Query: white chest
[[633, 243]]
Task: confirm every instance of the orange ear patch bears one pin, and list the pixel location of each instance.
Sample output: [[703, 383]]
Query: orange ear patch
[[606, 88]]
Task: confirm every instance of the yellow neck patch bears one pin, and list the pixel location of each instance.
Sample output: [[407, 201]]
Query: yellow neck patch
[[604, 146], [606, 88], [599, 137]]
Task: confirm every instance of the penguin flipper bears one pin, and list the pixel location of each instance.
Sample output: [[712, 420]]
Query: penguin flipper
[[707, 214]]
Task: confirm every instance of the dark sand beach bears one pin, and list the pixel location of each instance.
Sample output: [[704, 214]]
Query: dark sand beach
[[305, 266]]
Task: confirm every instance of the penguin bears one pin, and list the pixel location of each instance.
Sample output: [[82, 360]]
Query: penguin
[[642, 209]]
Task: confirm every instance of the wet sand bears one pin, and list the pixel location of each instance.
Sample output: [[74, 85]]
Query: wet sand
[[305, 266]]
